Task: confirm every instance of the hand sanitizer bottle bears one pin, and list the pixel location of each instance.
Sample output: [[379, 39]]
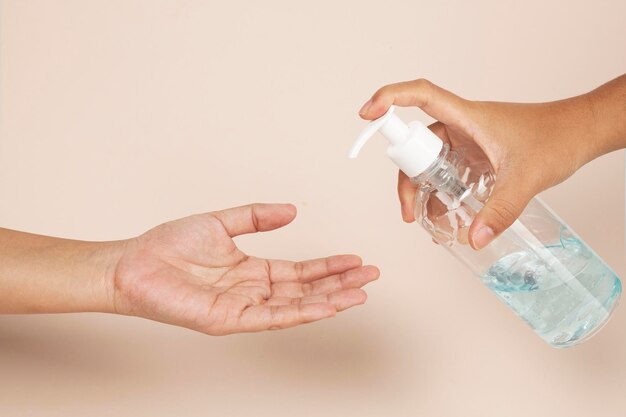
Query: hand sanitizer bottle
[[538, 267]]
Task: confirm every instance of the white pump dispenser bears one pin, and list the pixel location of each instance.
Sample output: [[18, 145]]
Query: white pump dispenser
[[412, 148]]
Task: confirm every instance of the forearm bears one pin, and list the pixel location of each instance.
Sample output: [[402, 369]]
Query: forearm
[[608, 108], [40, 274]]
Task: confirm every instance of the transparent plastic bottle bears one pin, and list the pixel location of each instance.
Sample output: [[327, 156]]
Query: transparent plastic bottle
[[538, 267]]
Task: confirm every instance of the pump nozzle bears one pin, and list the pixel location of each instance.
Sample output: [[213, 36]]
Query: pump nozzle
[[413, 148], [389, 124]]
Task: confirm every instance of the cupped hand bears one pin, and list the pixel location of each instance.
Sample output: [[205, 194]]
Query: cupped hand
[[190, 273], [530, 146]]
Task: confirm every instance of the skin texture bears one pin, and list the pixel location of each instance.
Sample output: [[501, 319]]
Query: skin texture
[[531, 147], [188, 272]]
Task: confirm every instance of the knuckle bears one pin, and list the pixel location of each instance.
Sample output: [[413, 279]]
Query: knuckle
[[422, 83], [254, 218], [307, 289], [276, 322], [503, 213], [299, 267], [381, 93], [214, 224]]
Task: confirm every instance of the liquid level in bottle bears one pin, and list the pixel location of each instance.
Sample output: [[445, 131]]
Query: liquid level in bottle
[[563, 308]]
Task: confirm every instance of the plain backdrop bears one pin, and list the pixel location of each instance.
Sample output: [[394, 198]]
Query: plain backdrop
[[118, 115]]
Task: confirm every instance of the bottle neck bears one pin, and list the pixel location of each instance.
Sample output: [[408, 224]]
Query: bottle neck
[[441, 175]]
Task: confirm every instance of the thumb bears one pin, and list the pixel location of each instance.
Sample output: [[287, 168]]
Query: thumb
[[255, 218], [504, 206]]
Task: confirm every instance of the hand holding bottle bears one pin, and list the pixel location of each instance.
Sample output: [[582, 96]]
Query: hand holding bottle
[[538, 265], [530, 146]]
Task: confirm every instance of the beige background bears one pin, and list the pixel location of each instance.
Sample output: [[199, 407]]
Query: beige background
[[118, 115]]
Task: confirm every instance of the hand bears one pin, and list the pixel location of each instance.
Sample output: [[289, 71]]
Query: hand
[[530, 146], [190, 273]]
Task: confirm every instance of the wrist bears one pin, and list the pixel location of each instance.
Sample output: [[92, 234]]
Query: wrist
[[104, 262], [608, 106], [595, 144], [577, 125], [41, 274]]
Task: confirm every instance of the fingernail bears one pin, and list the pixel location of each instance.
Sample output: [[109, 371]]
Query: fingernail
[[483, 237], [365, 107]]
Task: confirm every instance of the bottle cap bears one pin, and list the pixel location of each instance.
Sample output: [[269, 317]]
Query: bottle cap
[[412, 148]]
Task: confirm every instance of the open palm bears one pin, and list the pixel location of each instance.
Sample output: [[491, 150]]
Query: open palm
[[190, 273]]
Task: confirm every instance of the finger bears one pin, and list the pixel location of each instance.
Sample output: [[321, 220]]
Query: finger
[[439, 129], [256, 290], [406, 193], [341, 300], [270, 317], [432, 99], [306, 271], [255, 218], [506, 203], [354, 278]]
